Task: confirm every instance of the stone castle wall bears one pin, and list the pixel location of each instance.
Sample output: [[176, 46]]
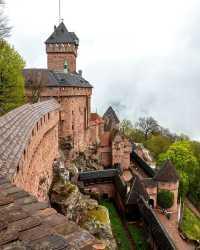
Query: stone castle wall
[[75, 112], [35, 171], [121, 149], [57, 54], [55, 61], [29, 145]]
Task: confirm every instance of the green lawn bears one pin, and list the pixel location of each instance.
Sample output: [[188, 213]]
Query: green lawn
[[136, 234], [117, 227], [190, 225]]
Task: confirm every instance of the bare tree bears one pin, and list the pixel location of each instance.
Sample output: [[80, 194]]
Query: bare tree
[[36, 81], [148, 125], [4, 27]]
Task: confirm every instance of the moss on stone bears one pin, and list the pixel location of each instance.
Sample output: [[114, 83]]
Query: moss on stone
[[100, 213]]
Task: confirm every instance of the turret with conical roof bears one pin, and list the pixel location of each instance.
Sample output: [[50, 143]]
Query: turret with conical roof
[[62, 47], [167, 173], [167, 179]]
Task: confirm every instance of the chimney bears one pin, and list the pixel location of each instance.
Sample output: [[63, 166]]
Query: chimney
[[80, 72]]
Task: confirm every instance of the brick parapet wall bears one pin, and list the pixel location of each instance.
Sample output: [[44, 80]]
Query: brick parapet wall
[[35, 169], [29, 144]]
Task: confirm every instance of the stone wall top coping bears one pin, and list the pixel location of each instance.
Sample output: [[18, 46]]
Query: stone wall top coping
[[26, 224], [15, 130]]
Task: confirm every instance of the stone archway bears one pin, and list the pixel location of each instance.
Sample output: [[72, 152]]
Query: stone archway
[[151, 203]]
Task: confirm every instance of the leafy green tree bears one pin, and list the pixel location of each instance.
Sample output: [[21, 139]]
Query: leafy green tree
[[184, 185], [158, 144], [165, 199], [181, 155], [195, 145], [11, 78]]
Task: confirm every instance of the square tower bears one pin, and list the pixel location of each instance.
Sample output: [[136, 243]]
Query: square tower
[[61, 48]]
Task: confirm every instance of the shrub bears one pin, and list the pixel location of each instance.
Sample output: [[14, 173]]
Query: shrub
[[165, 199]]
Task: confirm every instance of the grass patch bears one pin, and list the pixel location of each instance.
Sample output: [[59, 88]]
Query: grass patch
[[136, 234], [190, 225], [117, 227]]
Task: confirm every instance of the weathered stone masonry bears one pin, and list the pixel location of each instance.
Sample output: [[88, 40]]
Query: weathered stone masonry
[[29, 145], [68, 87]]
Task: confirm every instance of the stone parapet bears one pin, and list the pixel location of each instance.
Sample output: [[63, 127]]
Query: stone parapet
[[29, 145]]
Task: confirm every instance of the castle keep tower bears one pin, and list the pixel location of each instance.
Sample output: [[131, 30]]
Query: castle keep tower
[[62, 47], [62, 82]]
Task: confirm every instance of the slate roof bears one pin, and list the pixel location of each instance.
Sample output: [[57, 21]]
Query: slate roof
[[90, 175], [110, 113], [26, 224], [62, 35], [167, 173], [55, 78], [15, 131], [137, 190]]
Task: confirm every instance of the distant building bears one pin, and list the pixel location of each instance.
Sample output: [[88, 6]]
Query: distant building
[[113, 147], [165, 179], [111, 119]]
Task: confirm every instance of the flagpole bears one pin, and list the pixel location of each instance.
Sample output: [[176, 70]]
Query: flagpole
[[59, 12]]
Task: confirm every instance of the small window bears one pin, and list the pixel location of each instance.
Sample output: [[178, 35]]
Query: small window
[[44, 118], [18, 169], [33, 132], [48, 116], [37, 126], [24, 153], [72, 127]]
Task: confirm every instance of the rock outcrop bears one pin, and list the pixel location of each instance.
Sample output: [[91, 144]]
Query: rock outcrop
[[87, 162], [83, 210]]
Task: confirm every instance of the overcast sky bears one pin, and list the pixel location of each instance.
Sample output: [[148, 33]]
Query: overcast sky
[[141, 56]]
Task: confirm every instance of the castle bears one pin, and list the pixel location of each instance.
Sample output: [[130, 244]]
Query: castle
[[76, 122], [29, 145]]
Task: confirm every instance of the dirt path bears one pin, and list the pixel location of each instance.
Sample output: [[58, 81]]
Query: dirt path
[[192, 207]]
